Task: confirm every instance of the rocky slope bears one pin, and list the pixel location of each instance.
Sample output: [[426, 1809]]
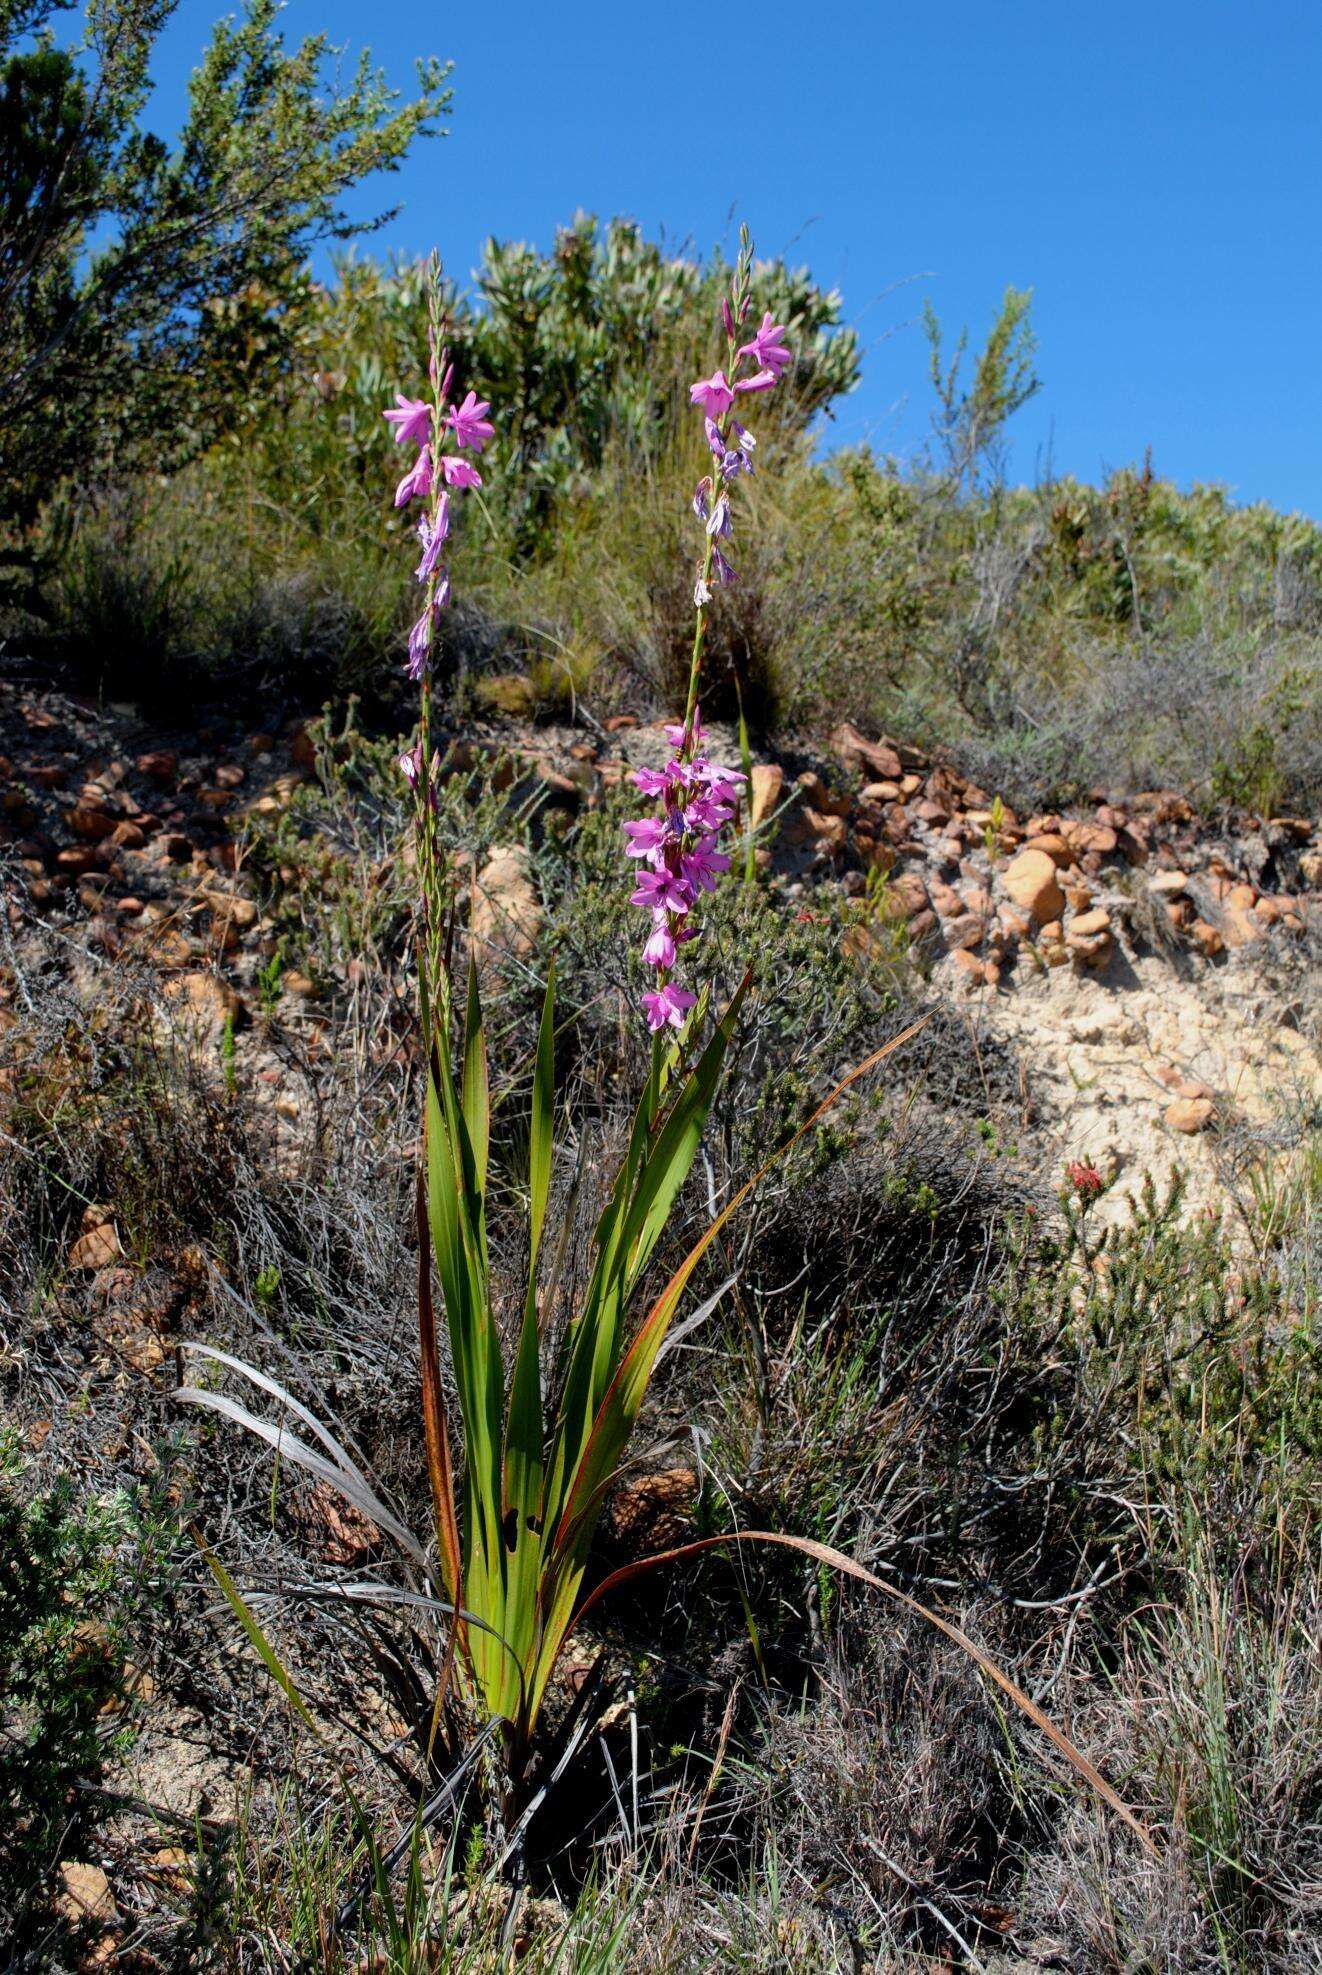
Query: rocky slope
[[1156, 970]]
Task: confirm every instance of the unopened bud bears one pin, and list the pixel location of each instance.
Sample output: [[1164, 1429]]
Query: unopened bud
[[727, 317]]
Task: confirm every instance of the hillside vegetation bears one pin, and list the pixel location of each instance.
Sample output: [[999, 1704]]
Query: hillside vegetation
[[1056, 637]]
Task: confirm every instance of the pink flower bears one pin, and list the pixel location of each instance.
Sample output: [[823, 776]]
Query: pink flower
[[677, 733], [712, 773], [662, 891], [718, 521], [411, 419], [417, 480], [712, 393], [457, 472], [701, 593], [411, 765], [761, 380], [658, 781], [703, 864], [420, 645], [647, 838], [660, 948], [470, 423], [432, 535], [669, 1004], [767, 348]]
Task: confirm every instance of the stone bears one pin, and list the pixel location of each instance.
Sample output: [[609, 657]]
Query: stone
[[764, 790], [816, 795], [1030, 880], [1088, 923], [168, 947], [967, 931], [1095, 837], [1170, 884], [827, 832], [1240, 926], [1206, 938], [976, 972], [1189, 1114], [78, 858], [95, 1248], [160, 765], [85, 1895], [90, 822], [1310, 869], [507, 914], [207, 999], [906, 896], [1054, 844], [872, 761], [649, 1512], [300, 985]]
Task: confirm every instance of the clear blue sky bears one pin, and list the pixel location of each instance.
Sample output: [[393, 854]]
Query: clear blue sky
[[1153, 172]]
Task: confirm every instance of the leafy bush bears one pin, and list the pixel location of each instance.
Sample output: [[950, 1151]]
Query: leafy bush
[[62, 1635]]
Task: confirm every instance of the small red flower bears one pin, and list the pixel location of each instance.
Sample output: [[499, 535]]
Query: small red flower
[[1084, 1178]]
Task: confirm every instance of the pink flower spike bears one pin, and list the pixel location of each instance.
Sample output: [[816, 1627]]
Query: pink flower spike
[[768, 349], [669, 1005], [417, 480], [411, 418], [470, 424], [712, 393], [761, 380], [457, 472]]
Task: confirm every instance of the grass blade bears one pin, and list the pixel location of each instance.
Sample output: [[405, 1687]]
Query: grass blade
[[261, 1644]]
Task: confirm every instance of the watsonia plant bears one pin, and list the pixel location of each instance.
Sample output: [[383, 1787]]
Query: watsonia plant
[[542, 1444]]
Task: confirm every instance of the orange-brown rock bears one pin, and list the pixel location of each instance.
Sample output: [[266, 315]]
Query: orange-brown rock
[[872, 761], [96, 1247], [1055, 847], [764, 791], [1030, 881], [507, 913], [90, 822], [1189, 1114]]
